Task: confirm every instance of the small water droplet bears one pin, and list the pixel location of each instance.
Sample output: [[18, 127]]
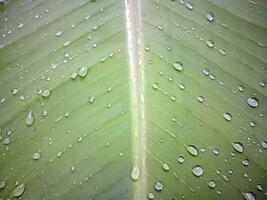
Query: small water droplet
[[264, 144], [259, 187], [198, 170], [46, 93], [59, 33], [245, 162], [83, 71], [20, 25], [2, 184], [192, 150], [241, 88], [253, 102], [200, 99], [178, 66], [181, 86], [238, 146], [212, 184], [19, 190], [227, 116], [165, 167], [36, 156], [210, 17], [135, 173], [189, 5], [150, 195], [14, 91], [206, 72], [29, 118], [180, 159], [216, 151], [210, 43], [155, 86], [158, 186], [91, 99], [249, 195]]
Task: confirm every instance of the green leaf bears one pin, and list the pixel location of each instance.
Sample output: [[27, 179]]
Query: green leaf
[[145, 99]]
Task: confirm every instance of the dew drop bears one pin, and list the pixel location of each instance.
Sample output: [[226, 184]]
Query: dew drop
[[36, 156], [227, 116], [238, 146], [210, 43], [59, 33], [91, 99], [180, 159], [165, 167], [19, 190], [135, 173], [2, 184], [249, 195], [206, 72], [264, 144], [216, 151], [29, 118], [253, 102], [83, 71], [192, 150], [158, 186], [178, 66], [212, 184], [46, 93], [259, 187], [245, 162], [189, 5], [181, 86], [20, 25], [210, 17], [200, 99], [150, 195], [198, 170], [155, 86]]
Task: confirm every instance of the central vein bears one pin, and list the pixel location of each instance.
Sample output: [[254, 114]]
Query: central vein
[[136, 71]]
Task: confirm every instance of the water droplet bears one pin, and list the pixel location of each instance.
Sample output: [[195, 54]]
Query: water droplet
[[227, 116], [192, 150], [2, 185], [147, 48], [135, 173], [165, 167], [200, 99], [252, 124], [155, 86], [91, 99], [59, 33], [46, 93], [216, 151], [210, 43], [158, 186], [264, 144], [20, 25], [241, 88], [6, 141], [180, 159], [178, 66], [83, 71], [249, 195], [206, 72], [262, 83], [253, 102], [29, 118], [14, 91], [36, 156], [210, 17], [181, 86], [189, 5], [73, 75], [198, 170], [259, 187], [212, 184], [150, 195], [72, 168], [245, 162], [238, 146], [19, 190], [108, 105]]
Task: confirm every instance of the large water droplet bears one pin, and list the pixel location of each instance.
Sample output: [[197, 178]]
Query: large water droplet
[[19, 190], [135, 173], [198, 170], [178, 66], [192, 150], [227, 116], [253, 102], [158, 186], [238, 146], [249, 195], [29, 118], [83, 71]]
